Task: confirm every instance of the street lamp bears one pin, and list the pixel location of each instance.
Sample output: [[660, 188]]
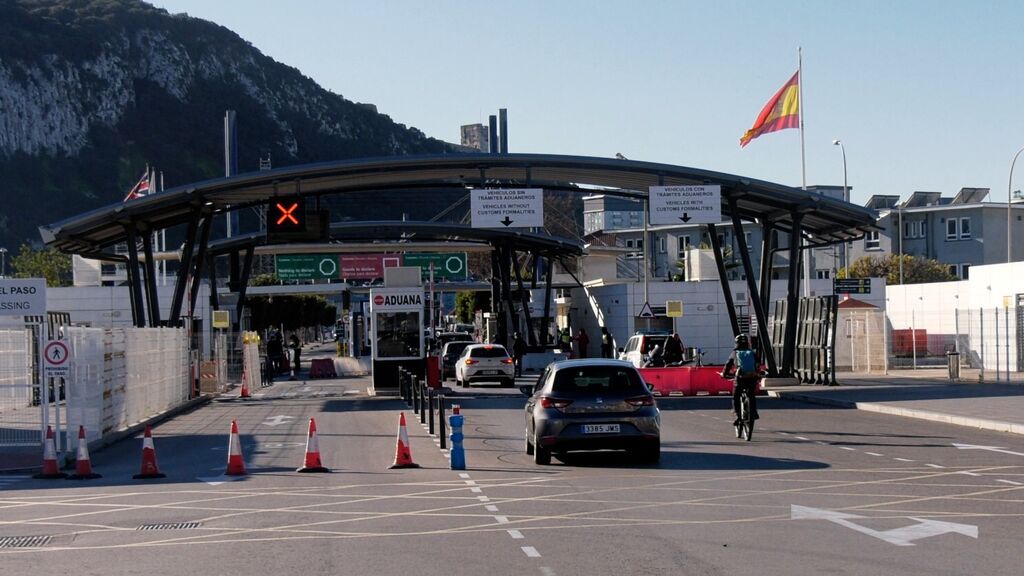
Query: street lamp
[[846, 190], [1009, 203], [3, 262]]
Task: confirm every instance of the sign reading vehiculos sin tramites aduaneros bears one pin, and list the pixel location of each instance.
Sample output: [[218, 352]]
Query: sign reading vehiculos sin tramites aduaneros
[[23, 297], [507, 207]]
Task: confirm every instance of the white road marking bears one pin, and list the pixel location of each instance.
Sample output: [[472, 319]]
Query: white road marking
[[470, 482], [483, 498], [934, 466], [277, 420], [874, 454], [903, 459], [989, 448], [820, 442], [968, 473], [547, 571], [904, 536], [348, 392], [847, 448], [501, 519], [786, 433], [515, 534], [1011, 482], [464, 475], [491, 508], [531, 552], [800, 438], [475, 489]]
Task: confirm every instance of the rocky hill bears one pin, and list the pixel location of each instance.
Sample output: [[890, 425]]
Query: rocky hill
[[91, 91]]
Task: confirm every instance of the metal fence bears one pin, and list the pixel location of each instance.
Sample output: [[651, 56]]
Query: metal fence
[[19, 418]]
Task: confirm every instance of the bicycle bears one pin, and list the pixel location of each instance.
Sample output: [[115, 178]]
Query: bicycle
[[745, 422]]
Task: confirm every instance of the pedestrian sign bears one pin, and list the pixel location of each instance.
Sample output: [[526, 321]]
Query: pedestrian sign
[[56, 358]]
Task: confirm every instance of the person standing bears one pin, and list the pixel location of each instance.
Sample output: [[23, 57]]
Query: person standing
[[518, 353], [566, 340], [606, 343], [582, 341], [673, 349], [296, 348]]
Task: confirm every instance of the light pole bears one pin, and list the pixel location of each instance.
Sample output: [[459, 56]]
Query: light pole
[[1009, 203], [846, 190], [3, 262]]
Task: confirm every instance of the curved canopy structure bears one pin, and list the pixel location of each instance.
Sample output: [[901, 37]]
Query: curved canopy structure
[[821, 220]]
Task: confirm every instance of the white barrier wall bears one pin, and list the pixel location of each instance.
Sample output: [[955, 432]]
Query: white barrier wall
[[121, 376]]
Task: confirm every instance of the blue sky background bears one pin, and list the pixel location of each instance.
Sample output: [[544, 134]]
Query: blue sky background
[[925, 95]]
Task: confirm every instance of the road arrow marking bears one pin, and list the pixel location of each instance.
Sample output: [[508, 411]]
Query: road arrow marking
[[278, 420], [904, 536], [989, 448]]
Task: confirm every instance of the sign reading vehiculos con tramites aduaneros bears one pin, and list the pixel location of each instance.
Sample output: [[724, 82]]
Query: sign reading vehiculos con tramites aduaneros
[[23, 297]]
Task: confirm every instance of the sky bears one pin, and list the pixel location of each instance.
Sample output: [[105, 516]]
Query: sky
[[924, 95]]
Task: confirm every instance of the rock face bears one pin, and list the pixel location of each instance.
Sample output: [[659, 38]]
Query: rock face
[[91, 91]]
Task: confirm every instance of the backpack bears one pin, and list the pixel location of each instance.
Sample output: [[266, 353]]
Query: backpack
[[746, 363]]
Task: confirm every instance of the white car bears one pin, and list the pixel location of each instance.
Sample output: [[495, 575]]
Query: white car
[[484, 363]]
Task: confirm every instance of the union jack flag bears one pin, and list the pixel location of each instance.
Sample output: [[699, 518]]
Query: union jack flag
[[140, 189]]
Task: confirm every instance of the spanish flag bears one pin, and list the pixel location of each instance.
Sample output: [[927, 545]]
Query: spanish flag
[[781, 112]]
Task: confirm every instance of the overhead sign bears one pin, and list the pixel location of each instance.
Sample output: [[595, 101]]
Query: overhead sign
[[507, 208], [395, 299], [286, 216], [851, 286], [367, 266], [23, 297], [685, 204], [674, 308], [56, 358], [447, 265], [307, 266]]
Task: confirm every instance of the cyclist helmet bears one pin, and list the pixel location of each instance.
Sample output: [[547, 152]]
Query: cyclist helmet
[[742, 341]]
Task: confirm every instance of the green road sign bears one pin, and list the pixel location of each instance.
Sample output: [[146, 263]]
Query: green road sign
[[851, 286], [306, 266], [447, 265]]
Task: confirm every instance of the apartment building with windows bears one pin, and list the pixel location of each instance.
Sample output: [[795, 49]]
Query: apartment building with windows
[[960, 231]]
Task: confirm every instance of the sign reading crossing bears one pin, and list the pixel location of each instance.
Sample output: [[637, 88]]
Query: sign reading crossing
[[23, 297], [507, 208], [851, 286], [306, 266], [685, 204]]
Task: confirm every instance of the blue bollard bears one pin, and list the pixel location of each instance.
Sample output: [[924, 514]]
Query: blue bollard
[[457, 453]]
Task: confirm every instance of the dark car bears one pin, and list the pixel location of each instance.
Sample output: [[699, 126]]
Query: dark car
[[591, 404]]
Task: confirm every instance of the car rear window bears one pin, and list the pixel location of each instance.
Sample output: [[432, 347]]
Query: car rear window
[[651, 341], [456, 348], [597, 379], [488, 352]]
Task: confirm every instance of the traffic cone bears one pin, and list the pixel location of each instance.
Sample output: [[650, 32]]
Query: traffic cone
[[50, 467], [245, 385], [403, 454], [83, 467], [312, 463], [236, 466], [149, 467]]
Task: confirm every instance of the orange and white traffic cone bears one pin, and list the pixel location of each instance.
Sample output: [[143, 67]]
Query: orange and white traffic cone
[[236, 465], [51, 469], [83, 466], [403, 454], [245, 385], [312, 462], [149, 468]]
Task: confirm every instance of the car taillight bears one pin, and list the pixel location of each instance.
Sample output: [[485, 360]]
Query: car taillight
[[558, 403], [470, 361], [506, 361], [641, 401]]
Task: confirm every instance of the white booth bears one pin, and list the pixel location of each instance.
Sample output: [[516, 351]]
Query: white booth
[[396, 318]]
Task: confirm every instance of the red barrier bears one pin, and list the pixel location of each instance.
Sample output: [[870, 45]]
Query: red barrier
[[687, 381], [434, 371], [322, 368]]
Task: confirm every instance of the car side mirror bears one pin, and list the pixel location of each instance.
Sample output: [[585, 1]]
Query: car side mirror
[[526, 389], [621, 350]]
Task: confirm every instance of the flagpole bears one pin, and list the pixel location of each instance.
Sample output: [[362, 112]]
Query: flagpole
[[806, 254]]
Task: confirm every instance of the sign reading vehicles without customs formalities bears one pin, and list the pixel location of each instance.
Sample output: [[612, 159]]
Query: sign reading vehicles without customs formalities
[[507, 207], [685, 204]]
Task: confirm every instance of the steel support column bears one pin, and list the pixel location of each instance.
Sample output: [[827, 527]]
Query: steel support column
[[767, 259], [524, 299], [792, 298], [134, 282], [716, 247], [197, 276], [755, 298], [509, 312], [250, 253], [211, 272], [497, 310], [184, 266], [545, 322], [152, 299]]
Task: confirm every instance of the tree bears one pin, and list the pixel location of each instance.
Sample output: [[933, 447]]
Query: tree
[[916, 269], [467, 302], [46, 263]]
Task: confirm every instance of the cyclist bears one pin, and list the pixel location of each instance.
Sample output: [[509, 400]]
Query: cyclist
[[742, 365]]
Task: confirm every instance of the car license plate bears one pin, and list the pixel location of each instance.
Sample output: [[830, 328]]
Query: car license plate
[[600, 428], [490, 371]]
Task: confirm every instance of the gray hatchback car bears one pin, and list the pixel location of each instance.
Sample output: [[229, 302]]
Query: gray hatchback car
[[591, 404]]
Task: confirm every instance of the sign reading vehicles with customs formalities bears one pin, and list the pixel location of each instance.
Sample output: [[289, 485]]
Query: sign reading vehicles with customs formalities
[[685, 204]]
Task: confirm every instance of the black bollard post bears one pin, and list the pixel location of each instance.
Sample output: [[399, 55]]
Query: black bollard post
[[440, 419], [420, 383], [430, 411], [415, 394]]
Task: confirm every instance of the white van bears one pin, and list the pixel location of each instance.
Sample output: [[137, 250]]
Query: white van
[[639, 346]]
